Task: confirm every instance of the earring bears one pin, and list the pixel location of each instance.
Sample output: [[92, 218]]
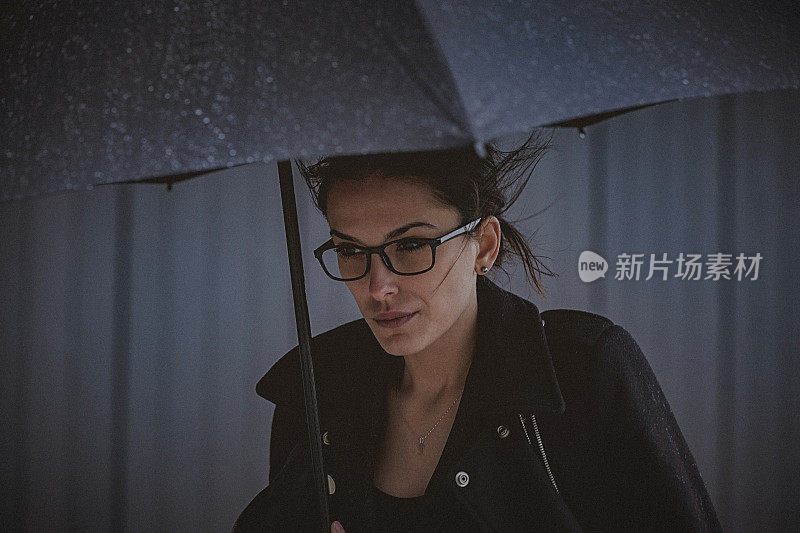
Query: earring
[[484, 269]]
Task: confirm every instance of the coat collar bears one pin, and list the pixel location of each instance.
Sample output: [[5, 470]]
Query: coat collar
[[512, 370]]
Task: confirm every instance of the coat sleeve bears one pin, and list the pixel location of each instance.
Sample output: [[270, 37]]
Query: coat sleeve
[[651, 474]]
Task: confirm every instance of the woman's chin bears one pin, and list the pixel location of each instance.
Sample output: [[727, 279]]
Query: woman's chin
[[397, 343], [394, 346]]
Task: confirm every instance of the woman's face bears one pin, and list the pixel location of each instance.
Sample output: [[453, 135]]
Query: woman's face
[[373, 211]]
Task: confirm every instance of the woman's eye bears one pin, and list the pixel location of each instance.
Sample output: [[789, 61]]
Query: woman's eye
[[346, 251], [410, 246]]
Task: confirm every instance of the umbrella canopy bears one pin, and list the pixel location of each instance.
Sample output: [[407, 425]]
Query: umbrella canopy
[[101, 92]]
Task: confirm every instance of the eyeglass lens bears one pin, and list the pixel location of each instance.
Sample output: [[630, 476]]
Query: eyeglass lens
[[406, 257]]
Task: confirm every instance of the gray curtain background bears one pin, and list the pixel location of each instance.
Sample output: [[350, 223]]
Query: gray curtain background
[[135, 321]]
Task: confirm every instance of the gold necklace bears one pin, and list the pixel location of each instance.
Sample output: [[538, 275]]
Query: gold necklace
[[421, 444]]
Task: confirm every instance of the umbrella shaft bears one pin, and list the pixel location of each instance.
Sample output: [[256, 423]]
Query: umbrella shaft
[[303, 336]]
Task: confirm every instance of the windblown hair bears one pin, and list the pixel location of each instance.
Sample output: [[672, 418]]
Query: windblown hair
[[459, 178]]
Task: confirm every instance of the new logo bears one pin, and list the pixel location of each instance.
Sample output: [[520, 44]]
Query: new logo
[[591, 266]]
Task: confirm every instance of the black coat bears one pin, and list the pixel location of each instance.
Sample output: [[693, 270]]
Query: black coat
[[602, 451]]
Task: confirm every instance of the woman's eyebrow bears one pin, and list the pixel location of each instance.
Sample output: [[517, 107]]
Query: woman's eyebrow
[[389, 236]]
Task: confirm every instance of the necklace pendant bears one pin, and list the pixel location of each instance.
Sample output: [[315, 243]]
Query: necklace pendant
[[421, 445]]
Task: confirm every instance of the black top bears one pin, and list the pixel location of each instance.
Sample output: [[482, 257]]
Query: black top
[[393, 514]]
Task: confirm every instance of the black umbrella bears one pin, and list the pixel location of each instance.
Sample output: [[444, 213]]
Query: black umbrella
[[113, 92]]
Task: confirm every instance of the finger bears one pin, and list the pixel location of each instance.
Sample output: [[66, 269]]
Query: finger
[[336, 527]]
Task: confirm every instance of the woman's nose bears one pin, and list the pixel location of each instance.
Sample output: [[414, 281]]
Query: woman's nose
[[382, 281]]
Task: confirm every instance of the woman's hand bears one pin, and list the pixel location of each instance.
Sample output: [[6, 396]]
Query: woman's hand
[[336, 527]]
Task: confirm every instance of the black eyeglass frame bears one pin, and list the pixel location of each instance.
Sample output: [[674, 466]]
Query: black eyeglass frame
[[381, 251]]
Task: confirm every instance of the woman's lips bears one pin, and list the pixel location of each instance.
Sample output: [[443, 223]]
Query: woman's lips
[[395, 322]]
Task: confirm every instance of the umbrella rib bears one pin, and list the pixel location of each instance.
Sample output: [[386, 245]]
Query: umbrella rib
[[456, 116]]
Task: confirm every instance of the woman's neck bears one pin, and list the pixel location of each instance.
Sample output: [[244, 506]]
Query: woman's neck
[[441, 369]]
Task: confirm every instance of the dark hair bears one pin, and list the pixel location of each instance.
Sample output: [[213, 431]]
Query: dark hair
[[459, 177]]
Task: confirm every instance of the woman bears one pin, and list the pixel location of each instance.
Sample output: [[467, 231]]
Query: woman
[[453, 405]]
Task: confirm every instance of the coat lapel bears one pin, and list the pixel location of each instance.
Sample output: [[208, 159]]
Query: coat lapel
[[512, 358]]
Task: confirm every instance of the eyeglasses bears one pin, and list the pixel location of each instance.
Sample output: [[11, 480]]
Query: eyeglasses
[[407, 256]]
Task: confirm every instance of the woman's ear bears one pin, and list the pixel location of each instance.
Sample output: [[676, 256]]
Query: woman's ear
[[488, 244]]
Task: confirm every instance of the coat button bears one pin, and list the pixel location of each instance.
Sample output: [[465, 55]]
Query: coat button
[[331, 485], [325, 440], [502, 431], [462, 479]]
